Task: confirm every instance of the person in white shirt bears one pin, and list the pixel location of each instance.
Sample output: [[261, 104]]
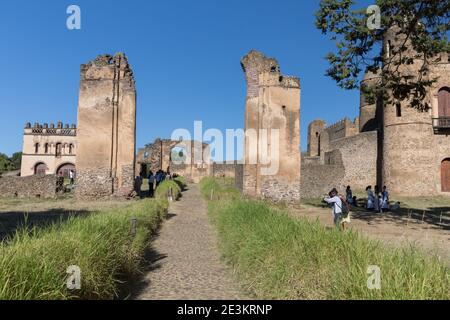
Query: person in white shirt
[[370, 198], [384, 200], [335, 201], [72, 177]]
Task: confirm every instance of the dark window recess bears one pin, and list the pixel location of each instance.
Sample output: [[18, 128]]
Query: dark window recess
[[398, 110]]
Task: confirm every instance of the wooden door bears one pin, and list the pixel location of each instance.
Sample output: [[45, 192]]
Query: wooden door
[[444, 102], [445, 175]]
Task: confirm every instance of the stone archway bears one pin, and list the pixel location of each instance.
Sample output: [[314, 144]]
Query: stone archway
[[64, 170], [40, 168], [445, 175]]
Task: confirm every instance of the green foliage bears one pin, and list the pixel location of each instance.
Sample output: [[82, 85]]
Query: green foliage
[[423, 24], [277, 256], [162, 190], [181, 181], [10, 164], [33, 265], [219, 188]]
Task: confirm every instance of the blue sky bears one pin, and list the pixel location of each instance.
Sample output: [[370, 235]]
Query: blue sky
[[185, 56]]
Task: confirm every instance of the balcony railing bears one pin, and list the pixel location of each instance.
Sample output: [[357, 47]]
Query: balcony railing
[[441, 123]]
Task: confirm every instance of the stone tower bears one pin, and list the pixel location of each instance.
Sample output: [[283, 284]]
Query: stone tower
[[412, 152], [315, 130], [272, 123], [106, 128], [369, 115]]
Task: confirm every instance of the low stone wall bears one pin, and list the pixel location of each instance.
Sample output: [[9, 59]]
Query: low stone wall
[[36, 186], [94, 184]]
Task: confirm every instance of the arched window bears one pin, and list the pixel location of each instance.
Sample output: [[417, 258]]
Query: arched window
[[64, 170], [46, 148], [70, 148], [58, 151], [36, 148], [178, 155], [445, 175]]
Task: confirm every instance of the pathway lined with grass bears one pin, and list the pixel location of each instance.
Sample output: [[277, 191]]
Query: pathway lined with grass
[[185, 258]]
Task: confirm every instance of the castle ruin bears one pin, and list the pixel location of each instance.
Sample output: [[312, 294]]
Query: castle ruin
[[272, 125], [390, 144], [106, 128]]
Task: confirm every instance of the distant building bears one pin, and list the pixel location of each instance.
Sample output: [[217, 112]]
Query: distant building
[[49, 149]]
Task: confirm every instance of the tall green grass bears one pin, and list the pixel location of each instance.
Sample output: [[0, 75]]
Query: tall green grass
[[181, 181], [162, 190], [279, 257], [104, 246]]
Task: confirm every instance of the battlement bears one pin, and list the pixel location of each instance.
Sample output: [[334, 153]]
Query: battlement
[[51, 129]]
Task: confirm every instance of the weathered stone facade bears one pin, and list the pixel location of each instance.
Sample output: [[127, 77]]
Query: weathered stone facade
[[106, 128], [48, 149], [36, 186], [272, 125]]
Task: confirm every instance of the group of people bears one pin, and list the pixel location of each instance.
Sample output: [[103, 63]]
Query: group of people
[[154, 180], [376, 201]]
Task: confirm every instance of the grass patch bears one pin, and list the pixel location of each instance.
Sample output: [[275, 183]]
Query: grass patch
[[181, 181], [162, 190], [33, 265], [278, 257]]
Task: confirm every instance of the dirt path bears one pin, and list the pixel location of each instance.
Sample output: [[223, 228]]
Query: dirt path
[[390, 228], [186, 262]]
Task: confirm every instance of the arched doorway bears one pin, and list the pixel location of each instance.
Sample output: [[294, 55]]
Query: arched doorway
[[64, 170], [40, 168], [445, 175]]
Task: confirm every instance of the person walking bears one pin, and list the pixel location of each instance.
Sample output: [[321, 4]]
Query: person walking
[[151, 184], [335, 201]]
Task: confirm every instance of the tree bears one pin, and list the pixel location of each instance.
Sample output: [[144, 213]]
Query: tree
[[423, 25], [16, 160], [5, 163]]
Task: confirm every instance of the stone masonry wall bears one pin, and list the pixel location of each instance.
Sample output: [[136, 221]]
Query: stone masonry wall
[[36, 186]]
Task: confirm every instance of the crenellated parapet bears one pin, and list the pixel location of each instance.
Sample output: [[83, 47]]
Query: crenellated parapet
[[51, 129]]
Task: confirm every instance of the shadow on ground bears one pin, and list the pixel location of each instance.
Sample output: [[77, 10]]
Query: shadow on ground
[[438, 217], [11, 221]]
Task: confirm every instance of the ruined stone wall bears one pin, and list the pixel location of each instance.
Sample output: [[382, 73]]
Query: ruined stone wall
[[273, 102], [106, 128], [158, 156], [351, 161], [224, 169], [37, 186]]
